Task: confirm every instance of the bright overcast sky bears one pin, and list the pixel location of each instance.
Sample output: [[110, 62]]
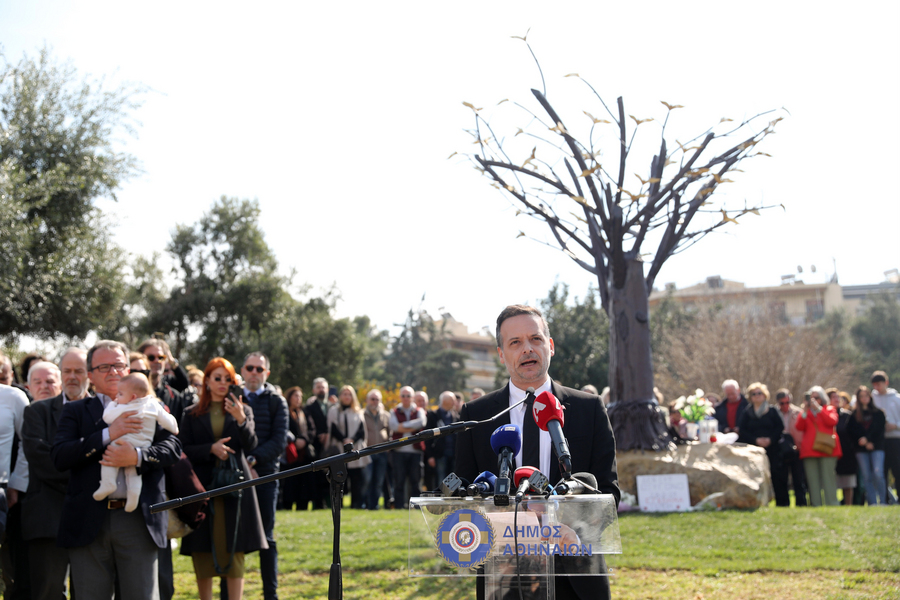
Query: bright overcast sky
[[339, 119]]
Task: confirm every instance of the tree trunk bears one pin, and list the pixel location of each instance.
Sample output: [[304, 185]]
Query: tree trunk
[[637, 420]]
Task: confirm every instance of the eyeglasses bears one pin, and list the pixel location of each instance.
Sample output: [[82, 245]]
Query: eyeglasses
[[756, 393], [154, 358], [251, 368], [120, 367], [784, 402], [219, 379]]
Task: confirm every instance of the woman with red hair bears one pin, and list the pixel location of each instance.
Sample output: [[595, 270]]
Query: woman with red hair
[[218, 427]]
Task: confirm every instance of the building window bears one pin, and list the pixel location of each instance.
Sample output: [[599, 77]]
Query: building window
[[815, 310]]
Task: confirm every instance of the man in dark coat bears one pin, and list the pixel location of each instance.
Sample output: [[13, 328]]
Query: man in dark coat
[[525, 348], [43, 504], [270, 413], [105, 542], [316, 418], [729, 413]]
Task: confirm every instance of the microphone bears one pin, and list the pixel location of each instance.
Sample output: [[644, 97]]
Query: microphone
[[505, 441], [530, 479], [453, 485], [484, 484], [549, 416], [580, 483]]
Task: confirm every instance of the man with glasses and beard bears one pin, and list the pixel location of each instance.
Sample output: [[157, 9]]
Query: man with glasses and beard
[[270, 412], [106, 543], [158, 353], [43, 504]]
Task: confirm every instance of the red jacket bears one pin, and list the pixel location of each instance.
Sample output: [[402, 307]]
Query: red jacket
[[824, 422]]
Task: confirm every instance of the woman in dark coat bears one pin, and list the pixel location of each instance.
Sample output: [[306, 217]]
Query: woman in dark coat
[[219, 426], [846, 467], [866, 430], [298, 453], [761, 426]]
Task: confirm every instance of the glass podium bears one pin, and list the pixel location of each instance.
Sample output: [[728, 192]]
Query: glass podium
[[509, 548]]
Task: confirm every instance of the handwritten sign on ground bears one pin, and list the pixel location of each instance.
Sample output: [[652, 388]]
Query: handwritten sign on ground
[[663, 493]]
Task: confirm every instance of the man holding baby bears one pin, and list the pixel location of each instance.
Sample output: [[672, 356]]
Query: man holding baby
[[103, 538]]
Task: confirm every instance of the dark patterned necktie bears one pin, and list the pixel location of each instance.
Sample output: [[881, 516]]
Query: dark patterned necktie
[[531, 437]]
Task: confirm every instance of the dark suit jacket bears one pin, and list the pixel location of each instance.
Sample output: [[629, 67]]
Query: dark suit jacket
[[317, 422], [593, 448], [586, 428], [78, 448], [42, 505], [722, 414]]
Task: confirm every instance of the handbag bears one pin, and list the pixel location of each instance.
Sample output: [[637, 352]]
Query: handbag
[[824, 443], [290, 453], [225, 473], [787, 447], [181, 481]]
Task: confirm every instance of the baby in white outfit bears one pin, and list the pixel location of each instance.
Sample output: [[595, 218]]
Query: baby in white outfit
[[134, 395]]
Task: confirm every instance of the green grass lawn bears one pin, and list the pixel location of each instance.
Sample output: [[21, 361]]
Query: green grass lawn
[[836, 552]]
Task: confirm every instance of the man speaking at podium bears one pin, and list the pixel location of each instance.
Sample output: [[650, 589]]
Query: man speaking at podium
[[525, 348]]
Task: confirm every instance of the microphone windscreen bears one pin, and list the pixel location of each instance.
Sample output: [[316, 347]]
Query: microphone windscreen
[[586, 477], [547, 408], [507, 436], [488, 477], [522, 473]]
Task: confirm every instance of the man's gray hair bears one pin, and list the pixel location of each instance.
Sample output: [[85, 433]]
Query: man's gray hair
[[728, 382], [320, 380], [105, 345], [43, 364], [73, 350], [375, 392]]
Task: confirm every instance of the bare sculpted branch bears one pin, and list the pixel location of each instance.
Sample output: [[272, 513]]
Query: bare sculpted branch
[[605, 221]]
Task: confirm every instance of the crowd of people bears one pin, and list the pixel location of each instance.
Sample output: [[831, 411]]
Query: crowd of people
[[827, 442], [85, 451], [82, 459]]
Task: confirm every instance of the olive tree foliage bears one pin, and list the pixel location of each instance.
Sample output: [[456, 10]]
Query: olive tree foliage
[[228, 286], [59, 274], [611, 216], [228, 299]]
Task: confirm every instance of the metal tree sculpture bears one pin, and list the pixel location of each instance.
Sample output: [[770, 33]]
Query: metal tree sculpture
[[604, 227]]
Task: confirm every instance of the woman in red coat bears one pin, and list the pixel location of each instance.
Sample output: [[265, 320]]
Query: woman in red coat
[[819, 416]]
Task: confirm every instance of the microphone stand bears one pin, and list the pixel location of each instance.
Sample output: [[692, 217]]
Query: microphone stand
[[337, 473]]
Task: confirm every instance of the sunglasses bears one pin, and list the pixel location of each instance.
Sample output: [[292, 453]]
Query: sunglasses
[[784, 403], [154, 358], [756, 393], [251, 368]]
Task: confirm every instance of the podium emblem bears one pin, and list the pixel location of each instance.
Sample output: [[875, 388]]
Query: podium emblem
[[465, 538]]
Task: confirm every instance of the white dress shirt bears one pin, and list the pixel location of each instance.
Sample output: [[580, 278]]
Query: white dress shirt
[[517, 417]]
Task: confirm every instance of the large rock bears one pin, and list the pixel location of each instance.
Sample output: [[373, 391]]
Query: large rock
[[740, 471]]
